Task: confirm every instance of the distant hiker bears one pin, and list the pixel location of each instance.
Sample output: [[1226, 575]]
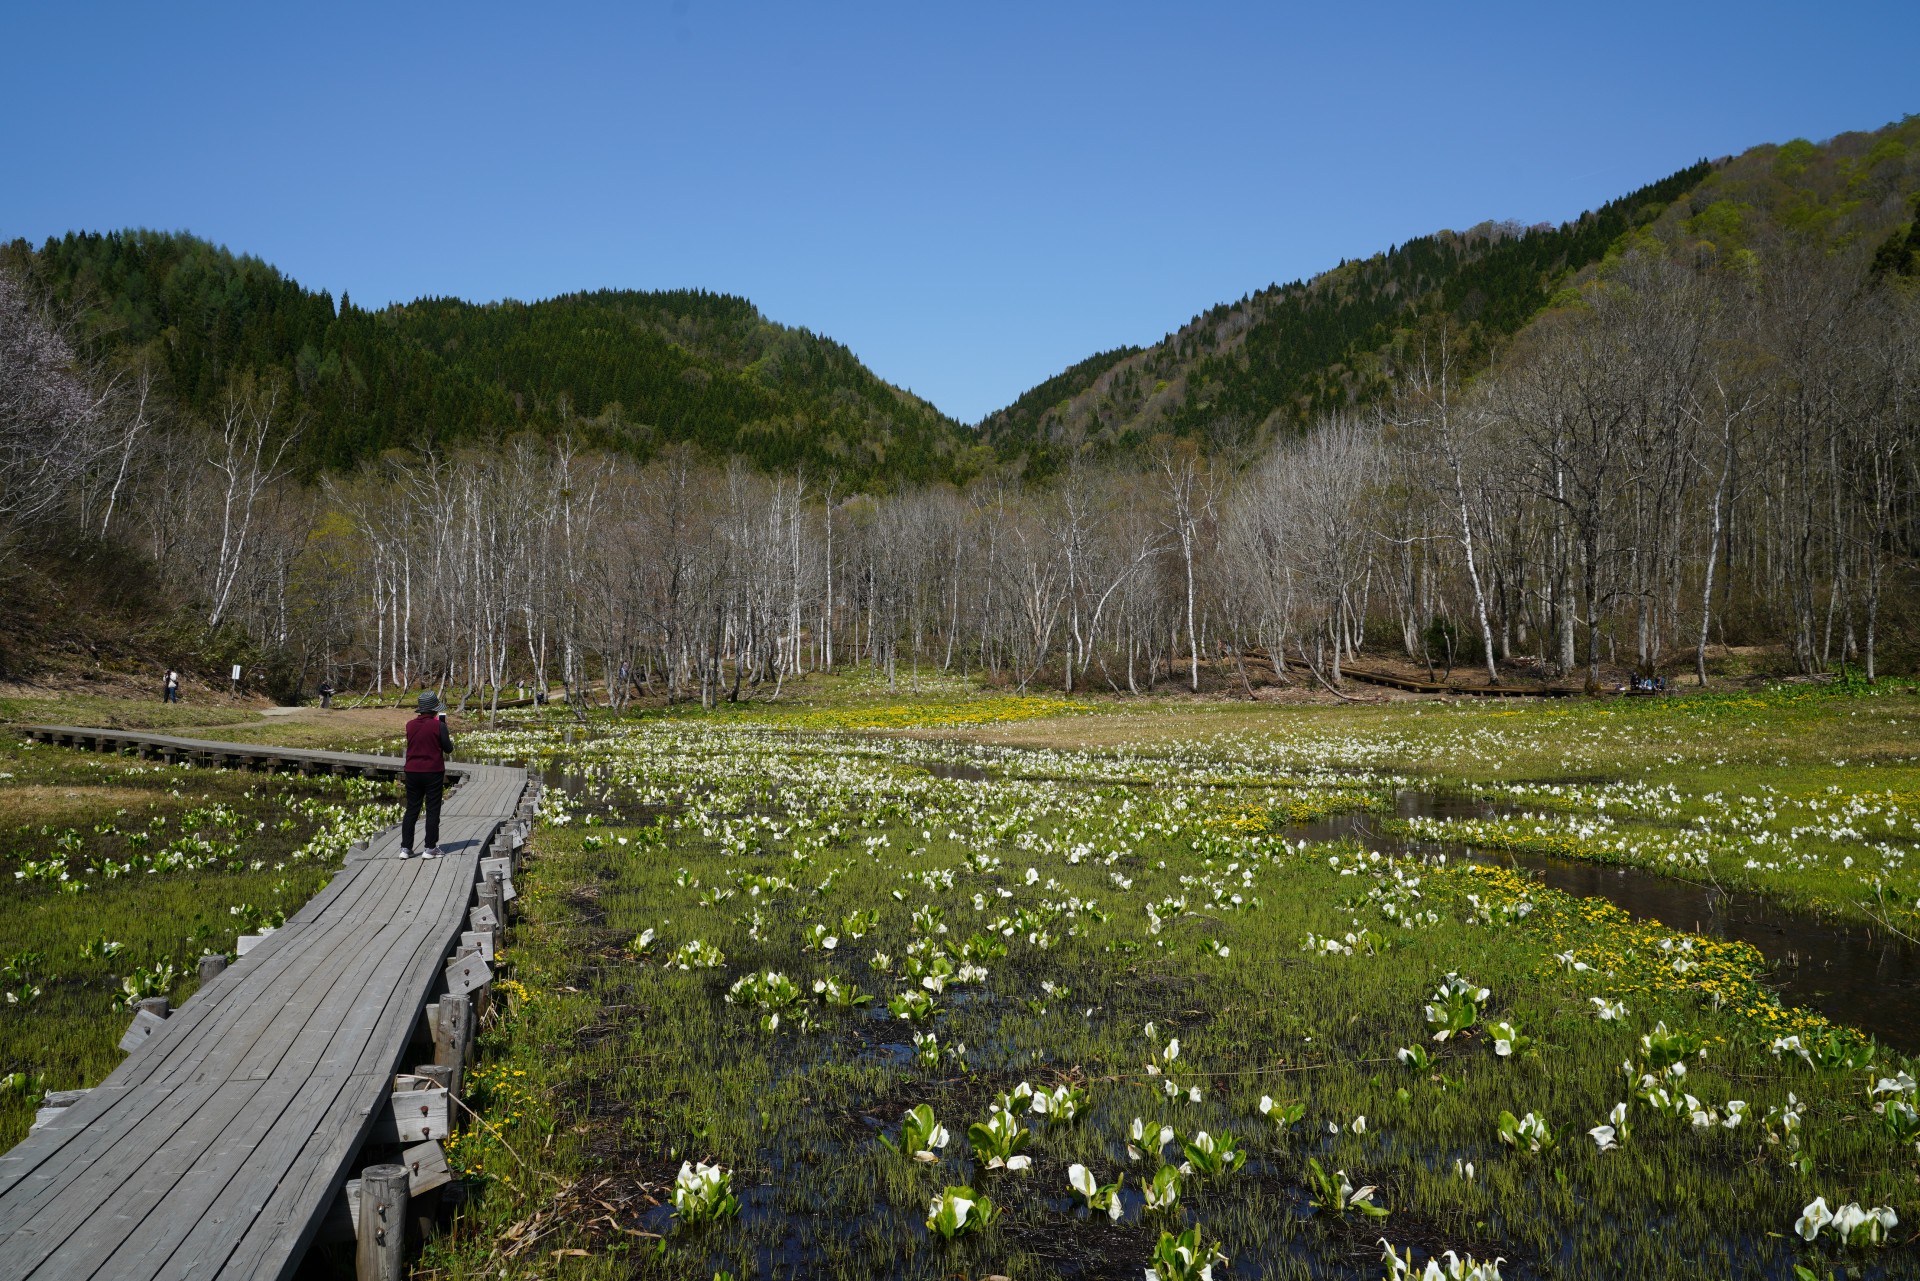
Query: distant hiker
[[428, 743], [170, 687], [326, 693]]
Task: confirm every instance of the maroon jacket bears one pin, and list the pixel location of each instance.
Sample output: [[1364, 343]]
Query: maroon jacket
[[428, 743]]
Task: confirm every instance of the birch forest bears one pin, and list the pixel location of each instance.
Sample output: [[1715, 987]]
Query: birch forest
[[1677, 459]]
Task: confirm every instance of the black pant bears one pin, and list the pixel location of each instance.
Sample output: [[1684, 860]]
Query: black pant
[[422, 787]]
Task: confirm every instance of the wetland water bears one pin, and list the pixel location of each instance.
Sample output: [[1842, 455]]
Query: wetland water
[[1853, 974]]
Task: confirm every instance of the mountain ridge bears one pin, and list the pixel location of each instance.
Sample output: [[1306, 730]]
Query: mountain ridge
[[1237, 372], [639, 371], [631, 370], [1234, 375]]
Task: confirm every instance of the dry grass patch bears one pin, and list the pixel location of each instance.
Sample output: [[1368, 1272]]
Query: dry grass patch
[[358, 729], [43, 803]]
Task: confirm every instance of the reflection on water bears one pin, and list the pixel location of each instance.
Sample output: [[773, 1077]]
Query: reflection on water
[[589, 792], [970, 773], [1851, 973]]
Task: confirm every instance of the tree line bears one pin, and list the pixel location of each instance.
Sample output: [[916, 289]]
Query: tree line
[[1682, 455]]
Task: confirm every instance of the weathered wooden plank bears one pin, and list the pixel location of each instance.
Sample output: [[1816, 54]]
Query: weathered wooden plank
[[427, 1167], [344, 1124], [413, 1116], [288, 1220], [160, 1151], [255, 1147], [378, 926], [209, 1209], [140, 1031], [468, 974], [209, 995], [229, 1020], [219, 1149], [109, 1182], [232, 1024]]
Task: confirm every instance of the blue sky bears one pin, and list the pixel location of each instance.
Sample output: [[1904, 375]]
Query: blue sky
[[970, 196]]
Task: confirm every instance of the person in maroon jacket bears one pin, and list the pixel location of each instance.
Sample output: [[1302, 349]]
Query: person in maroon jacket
[[428, 743]]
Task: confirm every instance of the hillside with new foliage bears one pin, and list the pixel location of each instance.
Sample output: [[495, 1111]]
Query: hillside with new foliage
[[1242, 371], [1245, 371], [1851, 194]]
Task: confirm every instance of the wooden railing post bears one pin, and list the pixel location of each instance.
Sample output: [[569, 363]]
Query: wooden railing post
[[382, 1231], [490, 897], [450, 1037]]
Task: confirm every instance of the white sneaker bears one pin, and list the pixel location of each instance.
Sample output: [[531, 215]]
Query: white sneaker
[[433, 851], [405, 852]]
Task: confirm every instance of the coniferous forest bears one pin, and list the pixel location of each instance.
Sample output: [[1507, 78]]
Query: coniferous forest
[[624, 370]]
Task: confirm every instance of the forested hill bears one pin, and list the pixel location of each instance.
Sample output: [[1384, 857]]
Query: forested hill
[[1270, 362], [1277, 357], [635, 371], [628, 369]]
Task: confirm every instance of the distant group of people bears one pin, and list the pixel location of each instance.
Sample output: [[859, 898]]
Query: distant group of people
[[170, 689], [429, 742], [1645, 685]]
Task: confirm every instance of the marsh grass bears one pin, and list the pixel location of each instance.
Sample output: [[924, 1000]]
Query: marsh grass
[[119, 713], [613, 1067], [1799, 760]]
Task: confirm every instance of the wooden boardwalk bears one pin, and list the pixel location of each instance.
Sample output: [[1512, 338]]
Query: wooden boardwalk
[[219, 1147]]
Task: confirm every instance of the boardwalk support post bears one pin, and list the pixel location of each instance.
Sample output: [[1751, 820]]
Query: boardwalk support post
[[149, 1016], [489, 898], [439, 1073], [382, 1230], [211, 967], [450, 1038]]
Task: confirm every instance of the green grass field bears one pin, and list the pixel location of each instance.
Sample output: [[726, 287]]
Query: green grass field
[[1116, 882], [756, 937]]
